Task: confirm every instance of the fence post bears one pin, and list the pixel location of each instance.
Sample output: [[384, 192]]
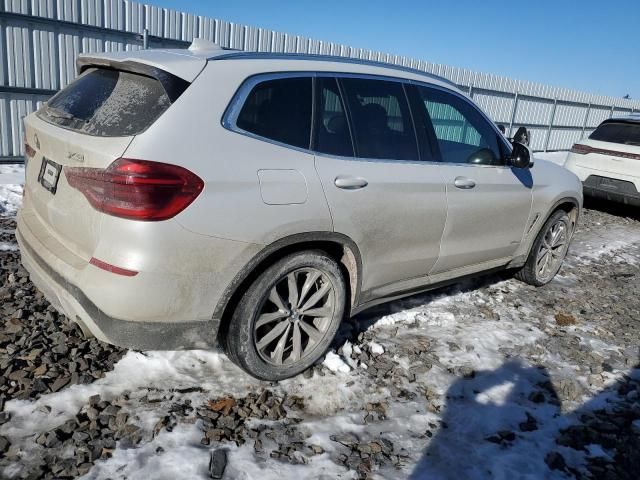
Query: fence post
[[513, 113], [145, 39], [586, 119], [553, 117]]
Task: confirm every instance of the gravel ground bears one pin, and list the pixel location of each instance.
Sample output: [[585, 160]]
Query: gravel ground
[[423, 377]]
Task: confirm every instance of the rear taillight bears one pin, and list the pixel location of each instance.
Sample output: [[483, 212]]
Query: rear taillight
[[137, 189], [580, 149]]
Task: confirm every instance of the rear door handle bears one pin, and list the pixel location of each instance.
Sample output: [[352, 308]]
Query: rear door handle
[[350, 183], [464, 183]]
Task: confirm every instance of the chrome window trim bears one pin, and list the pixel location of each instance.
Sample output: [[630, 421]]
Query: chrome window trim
[[230, 116]]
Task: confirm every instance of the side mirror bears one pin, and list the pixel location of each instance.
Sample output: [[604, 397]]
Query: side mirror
[[522, 136], [502, 129], [521, 156]]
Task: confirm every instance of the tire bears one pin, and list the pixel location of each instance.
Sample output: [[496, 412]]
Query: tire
[[532, 272], [273, 336]]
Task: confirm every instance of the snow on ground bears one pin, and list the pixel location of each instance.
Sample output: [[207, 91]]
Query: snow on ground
[[11, 181], [483, 341]]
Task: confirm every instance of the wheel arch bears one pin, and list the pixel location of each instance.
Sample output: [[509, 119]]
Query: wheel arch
[[571, 205], [340, 247]]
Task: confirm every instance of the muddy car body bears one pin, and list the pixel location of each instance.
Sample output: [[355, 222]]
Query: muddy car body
[[256, 199]]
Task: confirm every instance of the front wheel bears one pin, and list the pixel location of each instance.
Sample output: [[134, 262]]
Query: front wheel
[[548, 251], [288, 316]]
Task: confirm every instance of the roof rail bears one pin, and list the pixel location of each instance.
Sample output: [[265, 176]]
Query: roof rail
[[238, 55]]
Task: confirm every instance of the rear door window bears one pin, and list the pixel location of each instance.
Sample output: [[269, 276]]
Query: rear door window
[[624, 133], [112, 103], [279, 110], [381, 121]]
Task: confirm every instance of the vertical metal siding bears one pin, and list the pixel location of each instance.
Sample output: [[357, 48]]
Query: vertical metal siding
[[38, 52]]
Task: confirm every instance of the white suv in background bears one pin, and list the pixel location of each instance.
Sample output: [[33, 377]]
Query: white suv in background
[[608, 162], [177, 199]]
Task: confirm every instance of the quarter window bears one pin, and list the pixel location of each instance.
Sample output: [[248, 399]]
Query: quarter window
[[381, 121], [279, 110], [463, 135]]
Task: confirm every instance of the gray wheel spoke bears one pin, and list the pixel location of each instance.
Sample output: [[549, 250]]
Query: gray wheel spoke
[[543, 257], [310, 281], [293, 289], [315, 335], [269, 317], [276, 299], [316, 297], [278, 352], [296, 352], [272, 335], [325, 311]]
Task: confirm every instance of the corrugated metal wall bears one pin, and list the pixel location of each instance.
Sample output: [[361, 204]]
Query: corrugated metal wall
[[40, 40]]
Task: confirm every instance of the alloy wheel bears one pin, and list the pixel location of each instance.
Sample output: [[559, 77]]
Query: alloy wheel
[[294, 317], [552, 250]]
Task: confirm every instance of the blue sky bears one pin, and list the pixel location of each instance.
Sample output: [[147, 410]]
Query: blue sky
[[585, 45]]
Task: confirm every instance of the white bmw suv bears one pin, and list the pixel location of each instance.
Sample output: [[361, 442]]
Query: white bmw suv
[[185, 199], [608, 162]]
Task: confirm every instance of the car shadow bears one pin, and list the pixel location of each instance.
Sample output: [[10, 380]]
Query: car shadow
[[352, 327], [507, 423], [612, 208]]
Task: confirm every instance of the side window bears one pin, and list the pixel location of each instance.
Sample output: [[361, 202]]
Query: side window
[[463, 135], [332, 135], [381, 121], [279, 110]]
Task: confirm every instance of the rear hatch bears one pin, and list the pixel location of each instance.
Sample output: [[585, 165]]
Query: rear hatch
[[89, 124], [613, 149]]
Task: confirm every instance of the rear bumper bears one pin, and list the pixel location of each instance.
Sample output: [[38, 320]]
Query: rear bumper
[[611, 189], [70, 300]]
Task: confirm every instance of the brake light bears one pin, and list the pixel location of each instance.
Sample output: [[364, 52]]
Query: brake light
[[137, 189], [580, 149]]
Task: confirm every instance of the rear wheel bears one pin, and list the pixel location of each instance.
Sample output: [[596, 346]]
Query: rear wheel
[[288, 316], [548, 251]]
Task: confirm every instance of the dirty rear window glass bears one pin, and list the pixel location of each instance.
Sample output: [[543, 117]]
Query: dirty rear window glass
[[618, 132], [108, 103]]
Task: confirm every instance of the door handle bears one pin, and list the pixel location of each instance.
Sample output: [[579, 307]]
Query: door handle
[[464, 183], [350, 183]]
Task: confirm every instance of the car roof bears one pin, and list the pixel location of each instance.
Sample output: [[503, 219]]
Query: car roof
[[188, 63], [633, 118]]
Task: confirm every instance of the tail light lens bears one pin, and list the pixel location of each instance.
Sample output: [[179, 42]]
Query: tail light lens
[[580, 149], [137, 189]]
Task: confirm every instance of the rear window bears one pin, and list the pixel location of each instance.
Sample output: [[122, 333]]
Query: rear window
[[618, 132], [112, 103]]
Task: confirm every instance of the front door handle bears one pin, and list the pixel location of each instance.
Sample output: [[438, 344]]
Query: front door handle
[[350, 183], [464, 183]]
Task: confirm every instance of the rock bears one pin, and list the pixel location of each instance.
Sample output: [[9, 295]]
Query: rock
[[217, 463], [565, 319], [4, 444], [555, 461]]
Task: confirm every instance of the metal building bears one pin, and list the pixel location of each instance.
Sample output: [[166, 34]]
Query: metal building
[[40, 40]]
